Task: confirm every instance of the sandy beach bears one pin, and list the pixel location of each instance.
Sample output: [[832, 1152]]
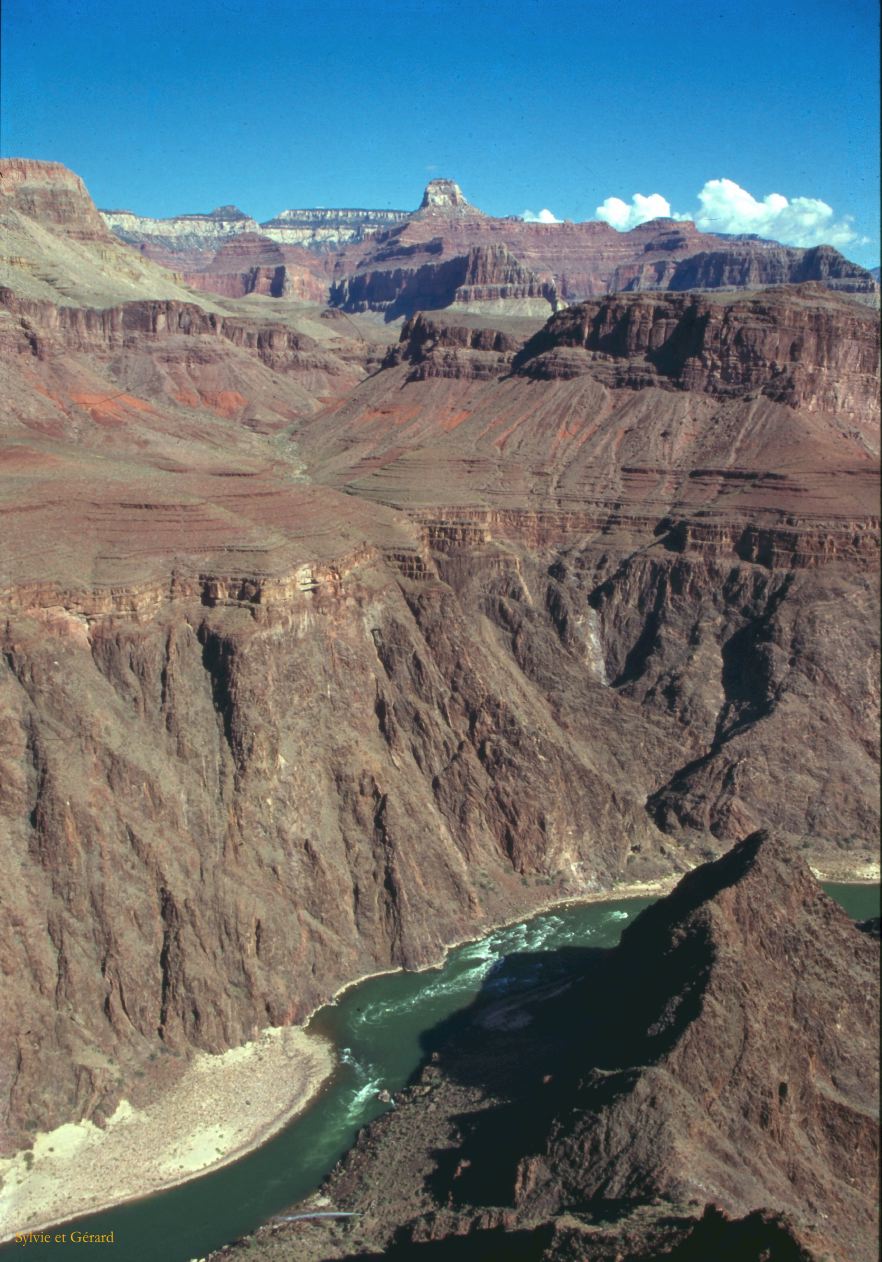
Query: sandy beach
[[850, 874], [220, 1108]]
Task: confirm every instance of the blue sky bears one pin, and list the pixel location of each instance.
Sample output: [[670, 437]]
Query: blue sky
[[541, 104]]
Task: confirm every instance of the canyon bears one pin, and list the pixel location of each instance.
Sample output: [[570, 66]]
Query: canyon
[[353, 610]]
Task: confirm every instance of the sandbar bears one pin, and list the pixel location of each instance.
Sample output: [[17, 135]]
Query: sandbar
[[222, 1107]]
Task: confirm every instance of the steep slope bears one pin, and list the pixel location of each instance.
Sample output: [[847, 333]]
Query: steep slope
[[183, 616], [726, 1108], [743, 1063], [55, 246], [697, 476]]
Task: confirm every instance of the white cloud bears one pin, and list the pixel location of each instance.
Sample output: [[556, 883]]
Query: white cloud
[[726, 207], [622, 216], [723, 206], [544, 216]]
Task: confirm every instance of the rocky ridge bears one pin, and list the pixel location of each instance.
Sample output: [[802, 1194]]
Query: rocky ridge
[[728, 1108], [588, 260]]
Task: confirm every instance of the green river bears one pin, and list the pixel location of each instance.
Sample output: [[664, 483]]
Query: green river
[[376, 1027]]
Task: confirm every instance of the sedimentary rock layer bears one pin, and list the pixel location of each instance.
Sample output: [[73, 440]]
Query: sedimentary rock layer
[[587, 260]]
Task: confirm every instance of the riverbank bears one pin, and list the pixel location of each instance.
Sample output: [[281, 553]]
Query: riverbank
[[80, 1169], [849, 874], [220, 1108], [628, 889]]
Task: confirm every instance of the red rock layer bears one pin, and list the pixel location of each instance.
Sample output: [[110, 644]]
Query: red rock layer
[[251, 264], [54, 196], [590, 259], [411, 279], [790, 344]]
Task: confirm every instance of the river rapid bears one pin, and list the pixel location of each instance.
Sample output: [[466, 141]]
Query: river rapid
[[376, 1027]]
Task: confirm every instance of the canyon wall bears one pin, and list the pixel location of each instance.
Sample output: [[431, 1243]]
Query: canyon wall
[[319, 653]]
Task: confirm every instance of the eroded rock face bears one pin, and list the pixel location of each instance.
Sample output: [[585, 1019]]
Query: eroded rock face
[[707, 1089], [791, 345], [51, 194], [485, 276], [446, 197], [182, 240], [251, 263]]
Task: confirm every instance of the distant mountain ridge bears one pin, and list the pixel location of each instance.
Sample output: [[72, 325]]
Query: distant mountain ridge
[[388, 260]]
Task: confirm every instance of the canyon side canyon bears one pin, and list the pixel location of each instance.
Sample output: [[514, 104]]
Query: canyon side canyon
[[369, 578]]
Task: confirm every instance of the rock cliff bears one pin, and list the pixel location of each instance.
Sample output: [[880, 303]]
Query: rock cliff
[[324, 229], [251, 263], [726, 1107], [179, 241], [789, 345], [49, 193], [486, 277], [445, 197], [587, 260]]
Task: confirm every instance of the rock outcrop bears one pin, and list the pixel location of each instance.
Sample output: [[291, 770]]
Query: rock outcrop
[[739, 1070], [707, 1089], [486, 277], [48, 193], [445, 197], [789, 345]]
